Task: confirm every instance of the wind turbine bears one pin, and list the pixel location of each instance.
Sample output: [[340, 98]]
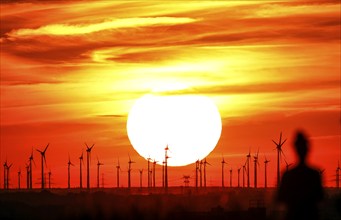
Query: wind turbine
[[287, 165], [88, 158], [50, 173], [43, 158], [129, 171], [8, 167], [222, 172], [118, 167], [248, 158], [68, 172], [163, 174], [338, 175], [166, 166], [266, 161], [19, 175], [239, 177], [30, 163], [200, 172], [244, 170], [279, 152], [81, 162], [141, 171], [98, 165], [148, 168], [5, 174], [186, 180], [154, 165], [27, 176], [205, 164], [256, 163], [196, 173], [231, 177]]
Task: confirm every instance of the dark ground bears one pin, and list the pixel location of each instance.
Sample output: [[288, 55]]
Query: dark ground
[[178, 203]]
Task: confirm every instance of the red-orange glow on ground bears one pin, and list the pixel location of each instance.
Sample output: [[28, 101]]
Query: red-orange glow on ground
[[71, 72]]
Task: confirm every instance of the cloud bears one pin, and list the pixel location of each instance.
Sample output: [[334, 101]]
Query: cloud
[[65, 29]]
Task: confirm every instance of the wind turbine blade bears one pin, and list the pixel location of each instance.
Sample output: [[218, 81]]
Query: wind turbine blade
[[92, 146], [46, 147], [274, 142], [284, 142], [86, 146]]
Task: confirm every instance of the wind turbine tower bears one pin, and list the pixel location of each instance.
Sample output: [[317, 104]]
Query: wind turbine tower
[[30, 164], [129, 171], [222, 172], [205, 164], [69, 164], [279, 152], [43, 159], [118, 167], [166, 167], [98, 165], [154, 165], [81, 162], [248, 158], [88, 158], [255, 168], [266, 161], [19, 175]]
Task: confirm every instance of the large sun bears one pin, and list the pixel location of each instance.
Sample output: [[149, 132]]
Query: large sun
[[190, 125]]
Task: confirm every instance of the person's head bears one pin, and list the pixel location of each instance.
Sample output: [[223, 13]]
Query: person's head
[[301, 146]]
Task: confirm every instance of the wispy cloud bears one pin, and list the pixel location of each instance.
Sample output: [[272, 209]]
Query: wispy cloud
[[67, 29]]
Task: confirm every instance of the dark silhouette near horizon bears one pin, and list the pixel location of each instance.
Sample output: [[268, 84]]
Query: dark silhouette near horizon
[[301, 187]]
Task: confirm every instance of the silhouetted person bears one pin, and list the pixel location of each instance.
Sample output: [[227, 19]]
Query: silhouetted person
[[301, 187]]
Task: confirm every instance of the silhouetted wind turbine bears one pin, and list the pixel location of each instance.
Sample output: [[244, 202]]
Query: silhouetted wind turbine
[[141, 171], [154, 165], [19, 175], [43, 158], [5, 174], [338, 175], [68, 172], [163, 174], [27, 176], [200, 172], [148, 169], [248, 158], [266, 171], [186, 180], [279, 152], [196, 173], [50, 173], [287, 165], [239, 177], [129, 171], [8, 167], [88, 158], [205, 164], [98, 165], [256, 164], [118, 173], [166, 167], [81, 162], [222, 172], [244, 170], [30, 163], [231, 177]]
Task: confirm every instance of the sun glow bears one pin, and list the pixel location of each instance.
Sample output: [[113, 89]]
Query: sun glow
[[189, 124]]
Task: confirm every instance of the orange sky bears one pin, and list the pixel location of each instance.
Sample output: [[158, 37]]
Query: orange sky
[[71, 71]]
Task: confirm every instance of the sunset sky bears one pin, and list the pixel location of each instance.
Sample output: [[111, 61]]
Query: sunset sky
[[71, 71]]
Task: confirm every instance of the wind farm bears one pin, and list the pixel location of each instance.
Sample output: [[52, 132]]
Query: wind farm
[[170, 109]]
